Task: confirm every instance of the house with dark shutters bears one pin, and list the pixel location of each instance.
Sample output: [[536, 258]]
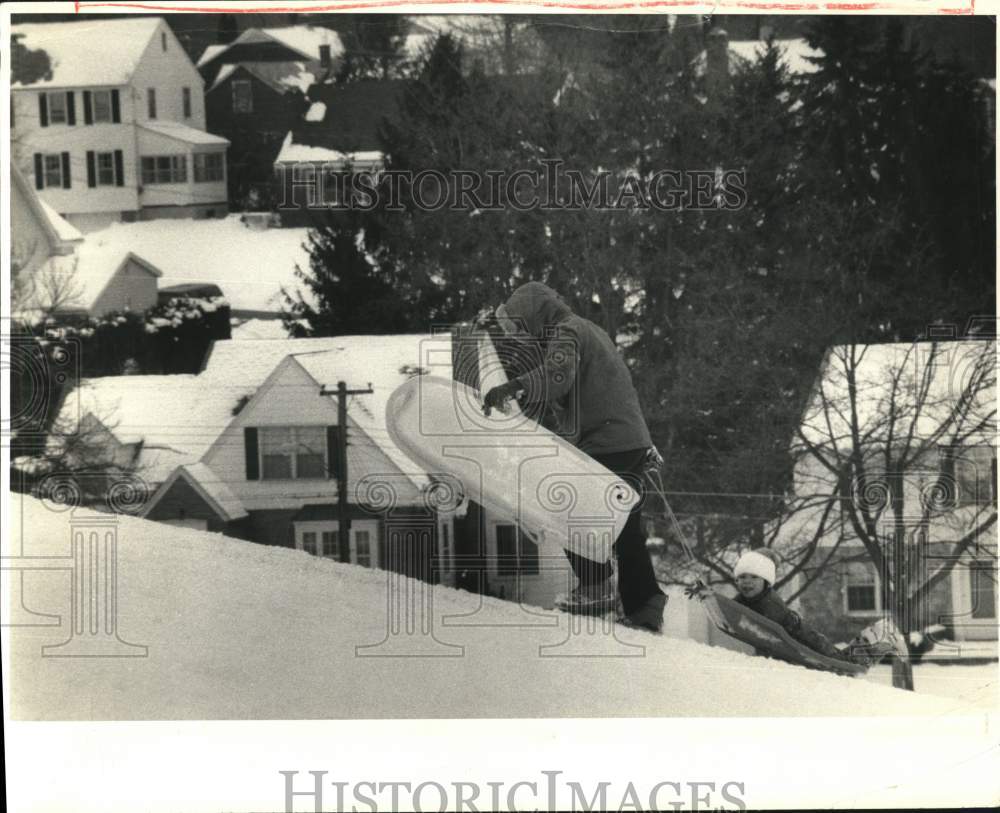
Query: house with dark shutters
[[251, 448], [116, 132], [256, 87]]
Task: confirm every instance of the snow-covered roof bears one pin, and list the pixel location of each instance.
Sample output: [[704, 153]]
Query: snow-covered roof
[[91, 52], [259, 329], [305, 39], [316, 111], [384, 362], [82, 279], [207, 482], [292, 153], [65, 230], [224, 73], [279, 76], [181, 132], [176, 417], [795, 54], [249, 266], [892, 376], [210, 53]]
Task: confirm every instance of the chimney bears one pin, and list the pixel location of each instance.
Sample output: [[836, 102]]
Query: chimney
[[717, 63], [324, 56]]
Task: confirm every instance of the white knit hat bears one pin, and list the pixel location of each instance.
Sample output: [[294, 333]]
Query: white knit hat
[[756, 564]]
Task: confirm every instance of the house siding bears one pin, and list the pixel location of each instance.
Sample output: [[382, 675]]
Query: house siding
[[181, 501], [132, 288]]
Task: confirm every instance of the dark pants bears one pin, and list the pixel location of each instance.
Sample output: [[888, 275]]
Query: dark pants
[[636, 579]]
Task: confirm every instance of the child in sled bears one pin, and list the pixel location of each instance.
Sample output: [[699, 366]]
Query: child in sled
[[755, 574]]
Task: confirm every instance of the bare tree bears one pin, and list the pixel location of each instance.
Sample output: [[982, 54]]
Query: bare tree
[[41, 291]]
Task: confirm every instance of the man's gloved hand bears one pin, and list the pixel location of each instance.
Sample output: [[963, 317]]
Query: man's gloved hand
[[697, 590], [484, 319], [498, 397]]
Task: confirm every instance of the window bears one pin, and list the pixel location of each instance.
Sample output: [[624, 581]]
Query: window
[[861, 590], [242, 96], [186, 102], [163, 40], [151, 102], [164, 169], [309, 542], [105, 169], [293, 452], [969, 475], [53, 170], [363, 549], [331, 544], [100, 102], [57, 108], [208, 167], [983, 574]]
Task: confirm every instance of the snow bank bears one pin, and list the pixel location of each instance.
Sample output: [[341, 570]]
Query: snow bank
[[239, 630]]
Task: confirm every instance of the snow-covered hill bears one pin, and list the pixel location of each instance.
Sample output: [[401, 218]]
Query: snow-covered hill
[[238, 630]]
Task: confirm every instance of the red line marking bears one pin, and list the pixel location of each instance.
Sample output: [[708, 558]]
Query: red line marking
[[762, 5]]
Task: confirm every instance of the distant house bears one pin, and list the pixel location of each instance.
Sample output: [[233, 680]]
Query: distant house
[[118, 130], [340, 130], [256, 88], [904, 397]]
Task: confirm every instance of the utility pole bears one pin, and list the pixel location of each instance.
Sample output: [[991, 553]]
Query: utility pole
[[343, 523]]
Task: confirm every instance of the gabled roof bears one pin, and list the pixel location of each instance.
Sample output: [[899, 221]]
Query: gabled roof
[[208, 485], [891, 377], [174, 417], [61, 234], [385, 362], [91, 52], [279, 76], [303, 39], [181, 132]]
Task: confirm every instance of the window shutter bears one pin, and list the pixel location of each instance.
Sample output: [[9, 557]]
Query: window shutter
[[332, 452], [91, 169], [250, 449], [119, 168], [70, 107], [116, 110], [43, 109], [88, 112], [67, 182], [39, 174]]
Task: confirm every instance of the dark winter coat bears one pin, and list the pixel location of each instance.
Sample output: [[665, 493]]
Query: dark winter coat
[[583, 378], [768, 604]]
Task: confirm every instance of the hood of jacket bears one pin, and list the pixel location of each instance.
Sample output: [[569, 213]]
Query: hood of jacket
[[536, 305]]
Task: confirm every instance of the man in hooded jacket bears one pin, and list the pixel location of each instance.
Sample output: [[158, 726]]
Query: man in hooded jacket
[[584, 383]]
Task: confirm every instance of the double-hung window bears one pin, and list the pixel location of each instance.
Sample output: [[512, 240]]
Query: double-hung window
[[293, 452]]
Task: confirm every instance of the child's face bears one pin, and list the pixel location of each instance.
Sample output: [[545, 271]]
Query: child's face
[[750, 585]]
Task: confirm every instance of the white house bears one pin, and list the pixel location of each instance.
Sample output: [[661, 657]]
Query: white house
[[933, 406], [38, 233], [117, 132]]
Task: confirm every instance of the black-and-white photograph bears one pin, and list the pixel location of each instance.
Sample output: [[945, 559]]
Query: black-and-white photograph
[[390, 365]]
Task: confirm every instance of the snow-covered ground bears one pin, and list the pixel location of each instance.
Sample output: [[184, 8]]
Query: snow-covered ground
[[250, 266], [237, 630], [977, 684]]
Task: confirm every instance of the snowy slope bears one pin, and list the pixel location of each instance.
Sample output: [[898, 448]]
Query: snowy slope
[[238, 630]]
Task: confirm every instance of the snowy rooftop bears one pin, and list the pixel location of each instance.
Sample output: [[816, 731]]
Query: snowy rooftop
[[227, 622], [249, 266], [292, 153], [176, 417], [281, 76], [91, 52], [795, 54], [181, 132], [946, 372], [62, 227], [384, 362], [305, 39]]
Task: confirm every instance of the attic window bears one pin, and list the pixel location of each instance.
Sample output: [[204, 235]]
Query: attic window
[[163, 39], [242, 96]]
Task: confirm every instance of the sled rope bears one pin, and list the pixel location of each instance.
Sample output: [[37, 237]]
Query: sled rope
[[653, 475]]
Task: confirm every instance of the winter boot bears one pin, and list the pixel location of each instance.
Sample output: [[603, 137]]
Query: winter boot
[[649, 616], [589, 599]]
